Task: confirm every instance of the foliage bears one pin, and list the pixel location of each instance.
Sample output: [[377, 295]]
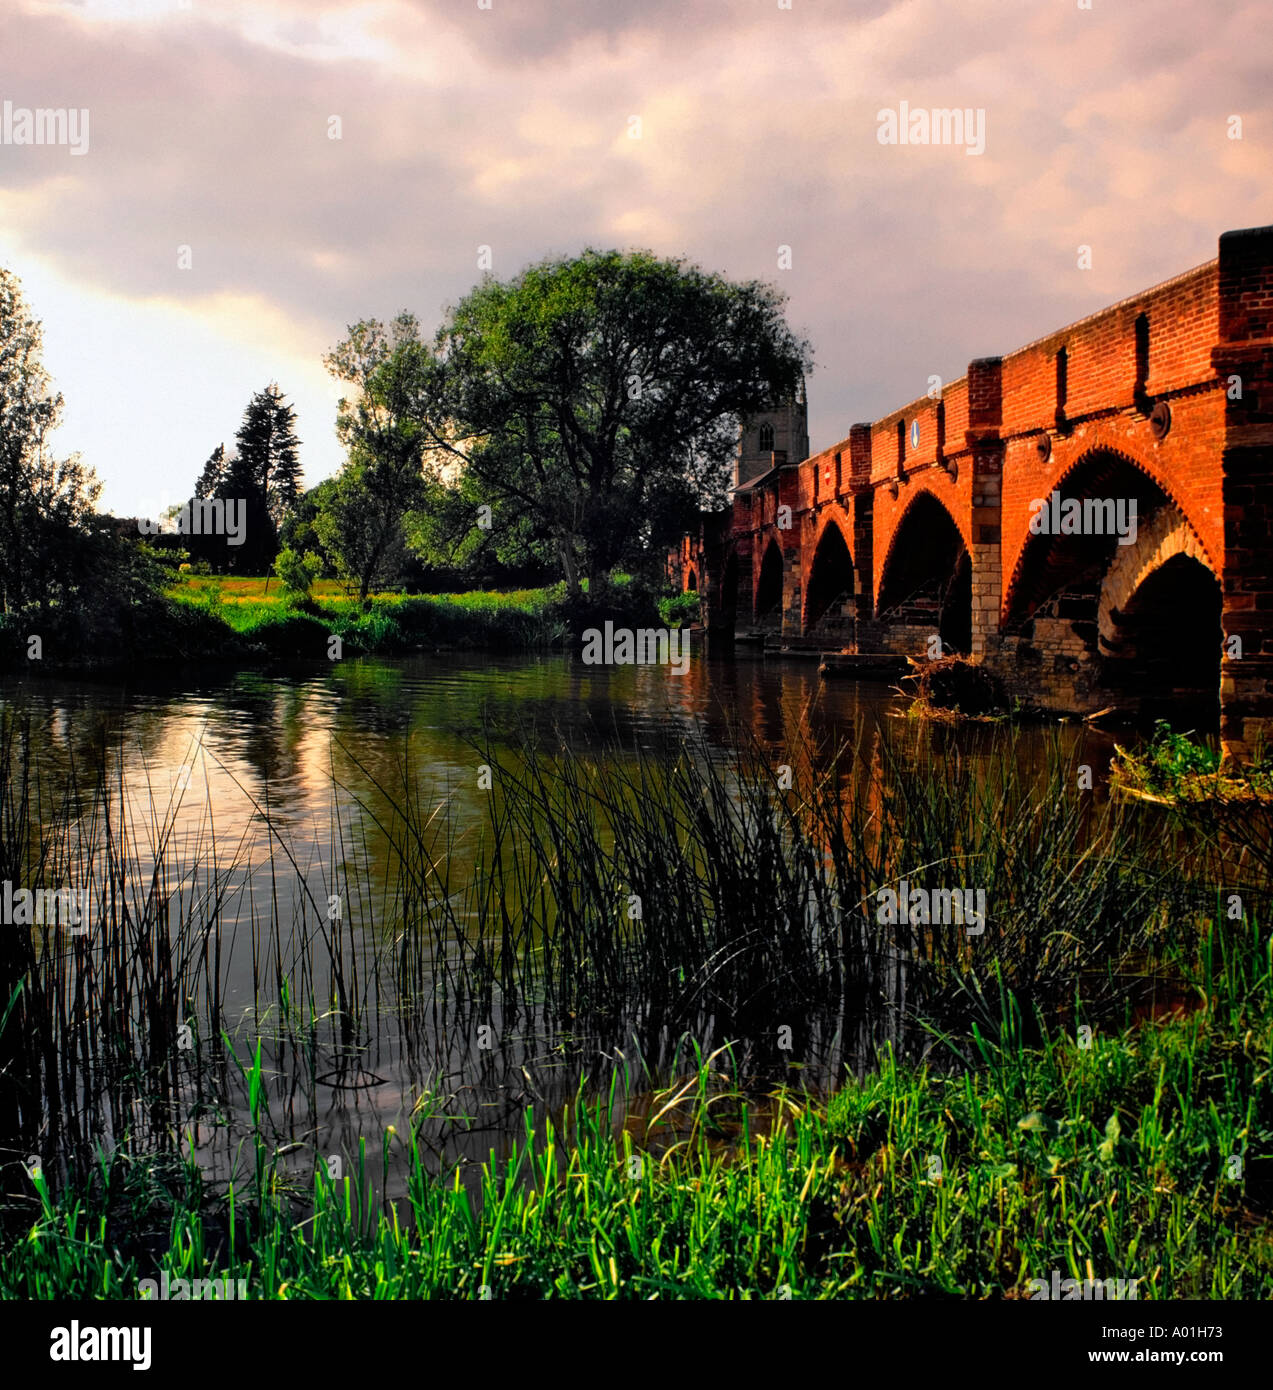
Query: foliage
[[360, 526], [1172, 767], [297, 572], [591, 403], [676, 610], [360, 521], [1110, 1162], [49, 542], [74, 578], [1145, 1153], [213, 476], [263, 474], [385, 624]]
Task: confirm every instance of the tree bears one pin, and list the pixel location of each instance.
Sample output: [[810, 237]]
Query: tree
[[297, 531], [85, 585], [361, 527], [46, 504], [213, 475], [264, 474], [599, 397], [362, 520], [297, 571]]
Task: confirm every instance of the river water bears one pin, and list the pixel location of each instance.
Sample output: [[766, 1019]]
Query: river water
[[257, 785]]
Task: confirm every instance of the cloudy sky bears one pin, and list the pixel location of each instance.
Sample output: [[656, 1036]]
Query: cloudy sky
[[509, 124]]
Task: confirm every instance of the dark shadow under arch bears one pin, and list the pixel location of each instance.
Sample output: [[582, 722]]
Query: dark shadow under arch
[[927, 579], [728, 606], [769, 590], [1060, 576], [1165, 655], [829, 604]]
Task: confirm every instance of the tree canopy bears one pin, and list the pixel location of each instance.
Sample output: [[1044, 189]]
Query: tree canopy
[[591, 403], [46, 503]]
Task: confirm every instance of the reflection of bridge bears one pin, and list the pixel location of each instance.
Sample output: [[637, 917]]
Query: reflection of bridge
[[919, 524]]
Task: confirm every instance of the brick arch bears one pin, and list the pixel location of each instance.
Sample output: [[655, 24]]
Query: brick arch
[[766, 576], [832, 517], [925, 586], [1168, 534], [918, 489], [1160, 626], [1097, 450], [816, 599]]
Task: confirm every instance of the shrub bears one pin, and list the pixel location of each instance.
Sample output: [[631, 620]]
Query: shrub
[[678, 609], [297, 572]]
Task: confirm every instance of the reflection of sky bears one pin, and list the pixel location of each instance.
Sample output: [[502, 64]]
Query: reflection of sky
[[248, 742], [214, 754]]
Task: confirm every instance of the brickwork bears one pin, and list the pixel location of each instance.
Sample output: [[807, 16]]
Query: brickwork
[[1166, 396]]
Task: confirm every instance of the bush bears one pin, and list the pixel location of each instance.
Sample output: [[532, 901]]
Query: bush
[[297, 572], [1170, 757], [957, 684], [678, 609]]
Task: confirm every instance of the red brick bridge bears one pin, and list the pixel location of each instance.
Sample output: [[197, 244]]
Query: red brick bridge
[[918, 526]]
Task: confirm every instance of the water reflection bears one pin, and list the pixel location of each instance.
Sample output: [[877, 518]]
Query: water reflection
[[270, 797]]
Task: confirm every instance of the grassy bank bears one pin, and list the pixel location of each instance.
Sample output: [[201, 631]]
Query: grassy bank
[[262, 619], [1142, 1157], [241, 621], [1084, 1078], [266, 621]]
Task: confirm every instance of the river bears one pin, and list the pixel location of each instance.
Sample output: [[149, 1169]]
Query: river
[[259, 786]]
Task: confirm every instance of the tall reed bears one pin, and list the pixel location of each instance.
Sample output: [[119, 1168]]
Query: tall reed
[[610, 903]]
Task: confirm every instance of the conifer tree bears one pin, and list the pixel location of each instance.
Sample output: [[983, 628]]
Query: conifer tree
[[265, 474]]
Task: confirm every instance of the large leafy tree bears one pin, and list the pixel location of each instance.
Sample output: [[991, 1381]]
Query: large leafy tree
[[364, 517], [598, 398]]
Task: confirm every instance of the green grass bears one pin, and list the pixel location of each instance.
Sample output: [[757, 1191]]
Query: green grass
[[757, 914], [1143, 1156], [244, 620], [236, 588], [259, 612]]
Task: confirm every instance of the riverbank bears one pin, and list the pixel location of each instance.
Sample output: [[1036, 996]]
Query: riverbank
[[266, 622], [1079, 1074], [224, 621], [1142, 1157]]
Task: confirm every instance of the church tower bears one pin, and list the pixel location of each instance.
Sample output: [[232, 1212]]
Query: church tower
[[783, 430]]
